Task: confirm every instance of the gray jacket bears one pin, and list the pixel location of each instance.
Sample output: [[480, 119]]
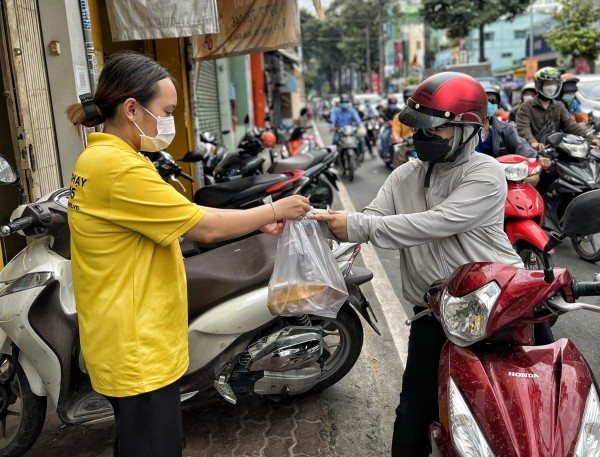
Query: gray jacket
[[457, 220]]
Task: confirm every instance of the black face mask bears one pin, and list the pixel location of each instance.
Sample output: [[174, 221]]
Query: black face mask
[[431, 148]]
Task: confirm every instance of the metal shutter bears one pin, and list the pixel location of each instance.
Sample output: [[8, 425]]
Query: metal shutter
[[38, 155], [206, 106]]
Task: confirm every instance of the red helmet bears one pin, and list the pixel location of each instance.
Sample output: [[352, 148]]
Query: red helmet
[[268, 139], [446, 97]]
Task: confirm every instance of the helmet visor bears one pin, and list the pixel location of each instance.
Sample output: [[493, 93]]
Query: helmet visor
[[551, 88], [421, 117]]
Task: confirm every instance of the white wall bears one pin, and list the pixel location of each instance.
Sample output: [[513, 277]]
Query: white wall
[[67, 73]]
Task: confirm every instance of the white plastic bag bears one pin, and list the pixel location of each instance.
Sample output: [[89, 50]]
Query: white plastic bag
[[306, 278]]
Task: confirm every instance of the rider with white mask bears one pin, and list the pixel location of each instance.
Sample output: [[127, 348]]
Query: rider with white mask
[[545, 114], [128, 274]]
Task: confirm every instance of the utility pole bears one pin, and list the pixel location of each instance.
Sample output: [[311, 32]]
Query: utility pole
[[368, 38], [381, 21]]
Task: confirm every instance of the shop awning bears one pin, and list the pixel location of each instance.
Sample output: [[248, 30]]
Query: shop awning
[[251, 26], [153, 19]]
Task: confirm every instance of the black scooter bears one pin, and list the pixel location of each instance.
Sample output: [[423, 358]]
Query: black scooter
[[576, 167], [242, 193]]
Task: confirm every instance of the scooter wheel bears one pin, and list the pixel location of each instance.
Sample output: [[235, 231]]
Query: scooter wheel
[[344, 336], [587, 247], [22, 427]]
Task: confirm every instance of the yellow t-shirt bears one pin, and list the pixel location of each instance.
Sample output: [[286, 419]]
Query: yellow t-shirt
[[400, 128], [128, 274]]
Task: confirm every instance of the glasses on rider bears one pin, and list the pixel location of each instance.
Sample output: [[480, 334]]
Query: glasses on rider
[[494, 101]]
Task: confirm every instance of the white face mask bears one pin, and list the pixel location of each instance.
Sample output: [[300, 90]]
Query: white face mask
[[526, 98], [549, 90], [165, 128]]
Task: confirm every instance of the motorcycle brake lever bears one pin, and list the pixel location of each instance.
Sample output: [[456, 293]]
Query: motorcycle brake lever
[[423, 313]]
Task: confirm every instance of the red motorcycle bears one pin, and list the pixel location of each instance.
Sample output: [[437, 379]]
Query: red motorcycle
[[499, 394], [524, 209]]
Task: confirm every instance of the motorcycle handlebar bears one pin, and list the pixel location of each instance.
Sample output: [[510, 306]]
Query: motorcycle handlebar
[[16, 225], [583, 289]]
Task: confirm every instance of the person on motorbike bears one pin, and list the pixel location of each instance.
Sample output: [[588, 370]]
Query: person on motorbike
[[400, 135], [128, 273], [500, 138], [544, 114], [527, 93], [345, 114], [387, 115], [567, 96], [440, 212]]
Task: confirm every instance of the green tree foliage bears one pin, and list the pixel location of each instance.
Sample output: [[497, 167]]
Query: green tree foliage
[[459, 17], [575, 30], [339, 42]]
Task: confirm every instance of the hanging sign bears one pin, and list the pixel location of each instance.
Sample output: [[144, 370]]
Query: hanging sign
[[154, 19], [250, 26]]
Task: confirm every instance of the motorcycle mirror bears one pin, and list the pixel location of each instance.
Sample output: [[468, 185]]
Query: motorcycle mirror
[[582, 216], [247, 119], [8, 175], [555, 138]]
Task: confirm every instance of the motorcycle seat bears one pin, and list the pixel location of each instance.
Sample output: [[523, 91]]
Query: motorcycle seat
[[223, 194], [228, 271], [299, 161]]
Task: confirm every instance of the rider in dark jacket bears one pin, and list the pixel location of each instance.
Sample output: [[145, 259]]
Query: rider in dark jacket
[[500, 138]]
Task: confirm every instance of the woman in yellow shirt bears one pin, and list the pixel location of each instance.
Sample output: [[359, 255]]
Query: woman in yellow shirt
[[128, 274]]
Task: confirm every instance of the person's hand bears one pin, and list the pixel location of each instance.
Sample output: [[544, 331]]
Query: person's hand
[[336, 222], [275, 228], [537, 146], [332, 129], [596, 142], [292, 208], [545, 162]]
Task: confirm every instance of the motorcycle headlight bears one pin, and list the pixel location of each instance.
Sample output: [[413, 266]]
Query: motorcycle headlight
[[588, 443], [29, 281], [516, 171], [465, 319], [578, 151], [468, 438]]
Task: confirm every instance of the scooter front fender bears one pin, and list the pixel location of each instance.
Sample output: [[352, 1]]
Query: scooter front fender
[[526, 400], [33, 377], [526, 230]]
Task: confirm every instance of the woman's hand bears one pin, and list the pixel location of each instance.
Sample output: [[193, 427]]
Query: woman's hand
[[275, 229], [292, 208], [336, 222]]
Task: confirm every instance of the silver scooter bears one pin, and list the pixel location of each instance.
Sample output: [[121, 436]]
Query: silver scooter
[[236, 345]]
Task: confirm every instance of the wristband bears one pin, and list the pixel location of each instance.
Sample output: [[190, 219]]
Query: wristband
[[274, 213]]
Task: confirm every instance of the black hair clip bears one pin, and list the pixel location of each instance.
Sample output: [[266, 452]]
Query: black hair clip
[[89, 107]]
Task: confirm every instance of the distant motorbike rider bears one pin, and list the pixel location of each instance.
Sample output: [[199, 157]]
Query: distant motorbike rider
[[544, 114], [439, 212], [344, 115], [567, 96], [400, 135], [527, 93], [387, 115], [500, 138]]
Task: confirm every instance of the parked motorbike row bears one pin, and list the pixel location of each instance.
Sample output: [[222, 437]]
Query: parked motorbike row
[[236, 345]]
